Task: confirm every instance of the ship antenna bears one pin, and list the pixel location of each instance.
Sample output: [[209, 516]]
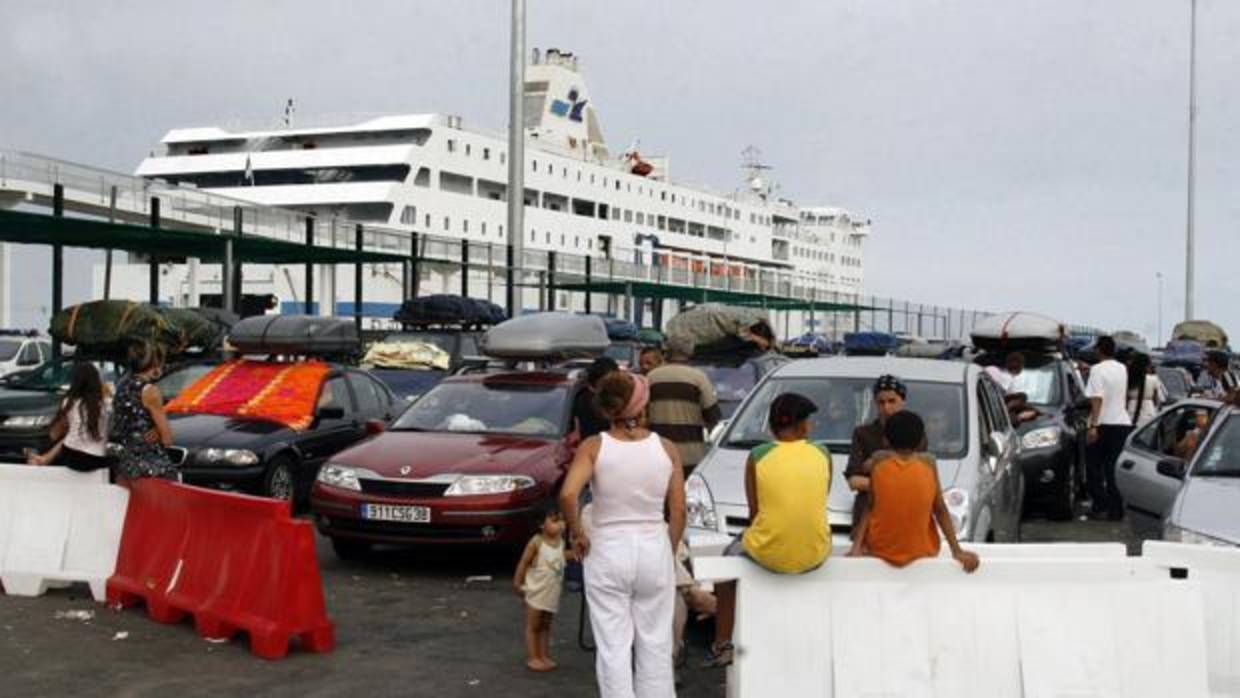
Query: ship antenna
[[751, 163], [288, 113]]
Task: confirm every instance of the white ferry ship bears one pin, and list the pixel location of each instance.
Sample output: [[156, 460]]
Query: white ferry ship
[[431, 173]]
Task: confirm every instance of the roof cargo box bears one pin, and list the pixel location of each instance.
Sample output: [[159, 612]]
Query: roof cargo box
[[870, 343], [295, 334], [1018, 332], [547, 336], [447, 309]]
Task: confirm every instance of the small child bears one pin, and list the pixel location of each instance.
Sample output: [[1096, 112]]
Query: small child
[[906, 501], [539, 579]]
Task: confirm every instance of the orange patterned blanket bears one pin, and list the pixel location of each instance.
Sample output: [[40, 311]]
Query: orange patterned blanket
[[287, 393]]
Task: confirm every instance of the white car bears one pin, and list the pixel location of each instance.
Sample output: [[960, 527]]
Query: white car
[[967, 427], [22, 351]]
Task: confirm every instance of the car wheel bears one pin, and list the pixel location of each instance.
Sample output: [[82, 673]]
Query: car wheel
[[278, 481], [347, 549]]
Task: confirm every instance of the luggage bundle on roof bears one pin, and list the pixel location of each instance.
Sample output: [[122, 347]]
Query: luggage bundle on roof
[[1018, 332], [1185, 353], [870, 343], [449, 310], [650, 337], [110, 327], [716, 330], [419, 356], [295, 335], [547, 336], [1208, 334], [620, 330]]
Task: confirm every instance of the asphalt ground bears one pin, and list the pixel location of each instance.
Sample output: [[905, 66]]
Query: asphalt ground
[[407, 624]]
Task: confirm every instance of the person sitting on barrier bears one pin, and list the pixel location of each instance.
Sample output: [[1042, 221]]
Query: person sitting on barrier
[[539, 579], [139, 424], [80, 428], [787, 482], [906, 501]]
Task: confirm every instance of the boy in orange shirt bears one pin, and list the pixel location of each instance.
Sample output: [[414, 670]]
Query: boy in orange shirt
[[906, 501]]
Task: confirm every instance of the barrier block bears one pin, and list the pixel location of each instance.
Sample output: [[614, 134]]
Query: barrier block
[[233, 562], [1217, 570], [1033, 627], [58, 527]]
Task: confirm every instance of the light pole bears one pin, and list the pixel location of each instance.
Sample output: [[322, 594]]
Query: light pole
[[516, 158], [1158, 333], [1192, 161]]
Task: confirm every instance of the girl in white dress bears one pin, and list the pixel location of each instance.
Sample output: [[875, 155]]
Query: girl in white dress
[[539, 579]]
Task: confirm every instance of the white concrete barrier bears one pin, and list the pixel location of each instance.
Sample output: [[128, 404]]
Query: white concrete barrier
[[1217, 570], [1104, 627], [58, 527]]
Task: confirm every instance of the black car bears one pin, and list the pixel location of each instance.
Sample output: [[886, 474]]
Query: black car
[[29, 400], [268, 458], [1052, 453]]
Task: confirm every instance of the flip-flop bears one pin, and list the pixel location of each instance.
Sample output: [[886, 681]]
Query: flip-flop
[[719, 656]]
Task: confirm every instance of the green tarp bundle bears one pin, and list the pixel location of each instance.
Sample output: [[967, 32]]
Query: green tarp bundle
[[112, 326]]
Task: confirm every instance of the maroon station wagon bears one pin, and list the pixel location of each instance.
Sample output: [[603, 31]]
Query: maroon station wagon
[[471, 461]]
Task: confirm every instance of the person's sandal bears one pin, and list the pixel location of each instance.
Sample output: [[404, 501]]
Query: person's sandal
[[719, 656]]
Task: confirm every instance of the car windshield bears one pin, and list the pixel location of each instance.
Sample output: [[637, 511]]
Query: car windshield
[[732, 384], [489, 407], [846, 403], [9, 348], [408, 384], [1221, 457], [1040, 385], [178, 379], [620, 353], [55, 375]]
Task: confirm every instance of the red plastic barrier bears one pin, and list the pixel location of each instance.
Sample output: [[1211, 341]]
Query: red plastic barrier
[[233, 562]]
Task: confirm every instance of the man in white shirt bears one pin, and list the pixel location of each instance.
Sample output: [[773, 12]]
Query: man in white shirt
[[1109, 425]]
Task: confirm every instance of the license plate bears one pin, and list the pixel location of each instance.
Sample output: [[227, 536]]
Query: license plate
[[392, 512]]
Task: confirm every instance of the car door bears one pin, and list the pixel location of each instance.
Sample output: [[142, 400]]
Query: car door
[[1005, 479], [1147, 493], [373, 399], [329, 435]]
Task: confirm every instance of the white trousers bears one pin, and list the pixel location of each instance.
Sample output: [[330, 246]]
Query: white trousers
[[630, 586]]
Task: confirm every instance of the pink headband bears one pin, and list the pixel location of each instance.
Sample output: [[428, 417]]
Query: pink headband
[[638, 400]]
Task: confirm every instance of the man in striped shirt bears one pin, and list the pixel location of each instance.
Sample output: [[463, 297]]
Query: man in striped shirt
[[683, 405]]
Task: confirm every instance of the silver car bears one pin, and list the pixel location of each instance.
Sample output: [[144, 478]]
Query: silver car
[[1204, 508], [1154, 450], [967, 428]]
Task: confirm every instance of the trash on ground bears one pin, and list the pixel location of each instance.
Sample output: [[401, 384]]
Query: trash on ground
[[477, 578], [81, 615], [122, 635]]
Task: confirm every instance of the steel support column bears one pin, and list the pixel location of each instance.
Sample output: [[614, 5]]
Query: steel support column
[[153, 262], [309, 271], [359, 234], [58, 261]]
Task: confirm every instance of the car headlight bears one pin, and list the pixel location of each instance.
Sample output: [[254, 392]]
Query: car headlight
[[957, 501], [239, 457], [28, 421], [700, 504], [1046, 437], [1176, 534], [467, 485], [341, 476]]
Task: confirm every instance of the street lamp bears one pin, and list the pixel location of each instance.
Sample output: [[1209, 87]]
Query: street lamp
[[1158, 333], [1192, 161]]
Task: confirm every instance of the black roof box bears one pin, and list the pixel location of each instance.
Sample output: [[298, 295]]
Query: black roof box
[[296, 335]]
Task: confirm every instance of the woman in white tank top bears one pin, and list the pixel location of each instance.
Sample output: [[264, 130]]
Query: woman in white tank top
[[634, 476]]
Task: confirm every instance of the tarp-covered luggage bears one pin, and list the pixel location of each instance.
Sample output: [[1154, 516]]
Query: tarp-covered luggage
[[193, 329], [1018, 332], [1210, 335], [448, 309], [547, 336], [422, 356], [112, 325], [713, 329], [869, 343], [620, 330], [1185, 353], [295, 334], [650, 336]]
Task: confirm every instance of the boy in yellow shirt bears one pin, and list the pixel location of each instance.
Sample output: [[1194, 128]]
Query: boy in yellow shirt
[[786, 484]]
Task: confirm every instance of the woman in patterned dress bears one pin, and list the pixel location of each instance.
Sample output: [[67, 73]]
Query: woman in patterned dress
[[139, 423]]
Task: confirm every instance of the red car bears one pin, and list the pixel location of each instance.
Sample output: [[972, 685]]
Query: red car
[[471, 461]]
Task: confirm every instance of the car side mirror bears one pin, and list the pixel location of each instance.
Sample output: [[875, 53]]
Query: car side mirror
[[329, 413], [373, 426], [1172, 468], [997, 443], [716, 432]]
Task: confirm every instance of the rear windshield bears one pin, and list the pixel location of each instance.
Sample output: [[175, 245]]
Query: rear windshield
[[846, 403], [1222, 455], [9, 349]]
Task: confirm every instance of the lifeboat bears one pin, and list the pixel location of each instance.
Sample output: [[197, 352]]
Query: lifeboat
[[639, 167]]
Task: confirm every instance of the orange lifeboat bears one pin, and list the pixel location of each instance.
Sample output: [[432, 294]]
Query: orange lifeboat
[[639, 167]]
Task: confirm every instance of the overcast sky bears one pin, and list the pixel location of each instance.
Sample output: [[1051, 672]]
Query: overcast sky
[[1013, 154]]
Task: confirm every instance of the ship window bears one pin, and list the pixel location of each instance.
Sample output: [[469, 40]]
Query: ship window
[[428, 221], [534, 166], [628, 215], [576, 242], [503, 157], [590, 243], [451, 145], [663, 196], [662, 222], [484, 227], [562, 243], [641, 218], [467, 149], [423, 178], [617, 185], [486, 153], [409, 215], [447, 223], [548, 237], [550, 169], [465, 225]]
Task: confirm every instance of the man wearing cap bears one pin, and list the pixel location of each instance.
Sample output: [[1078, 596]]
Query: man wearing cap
[[867, 439], [683, 404], [787, 482]]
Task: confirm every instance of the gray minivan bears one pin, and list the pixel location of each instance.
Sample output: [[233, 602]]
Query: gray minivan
[[967, 428]]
